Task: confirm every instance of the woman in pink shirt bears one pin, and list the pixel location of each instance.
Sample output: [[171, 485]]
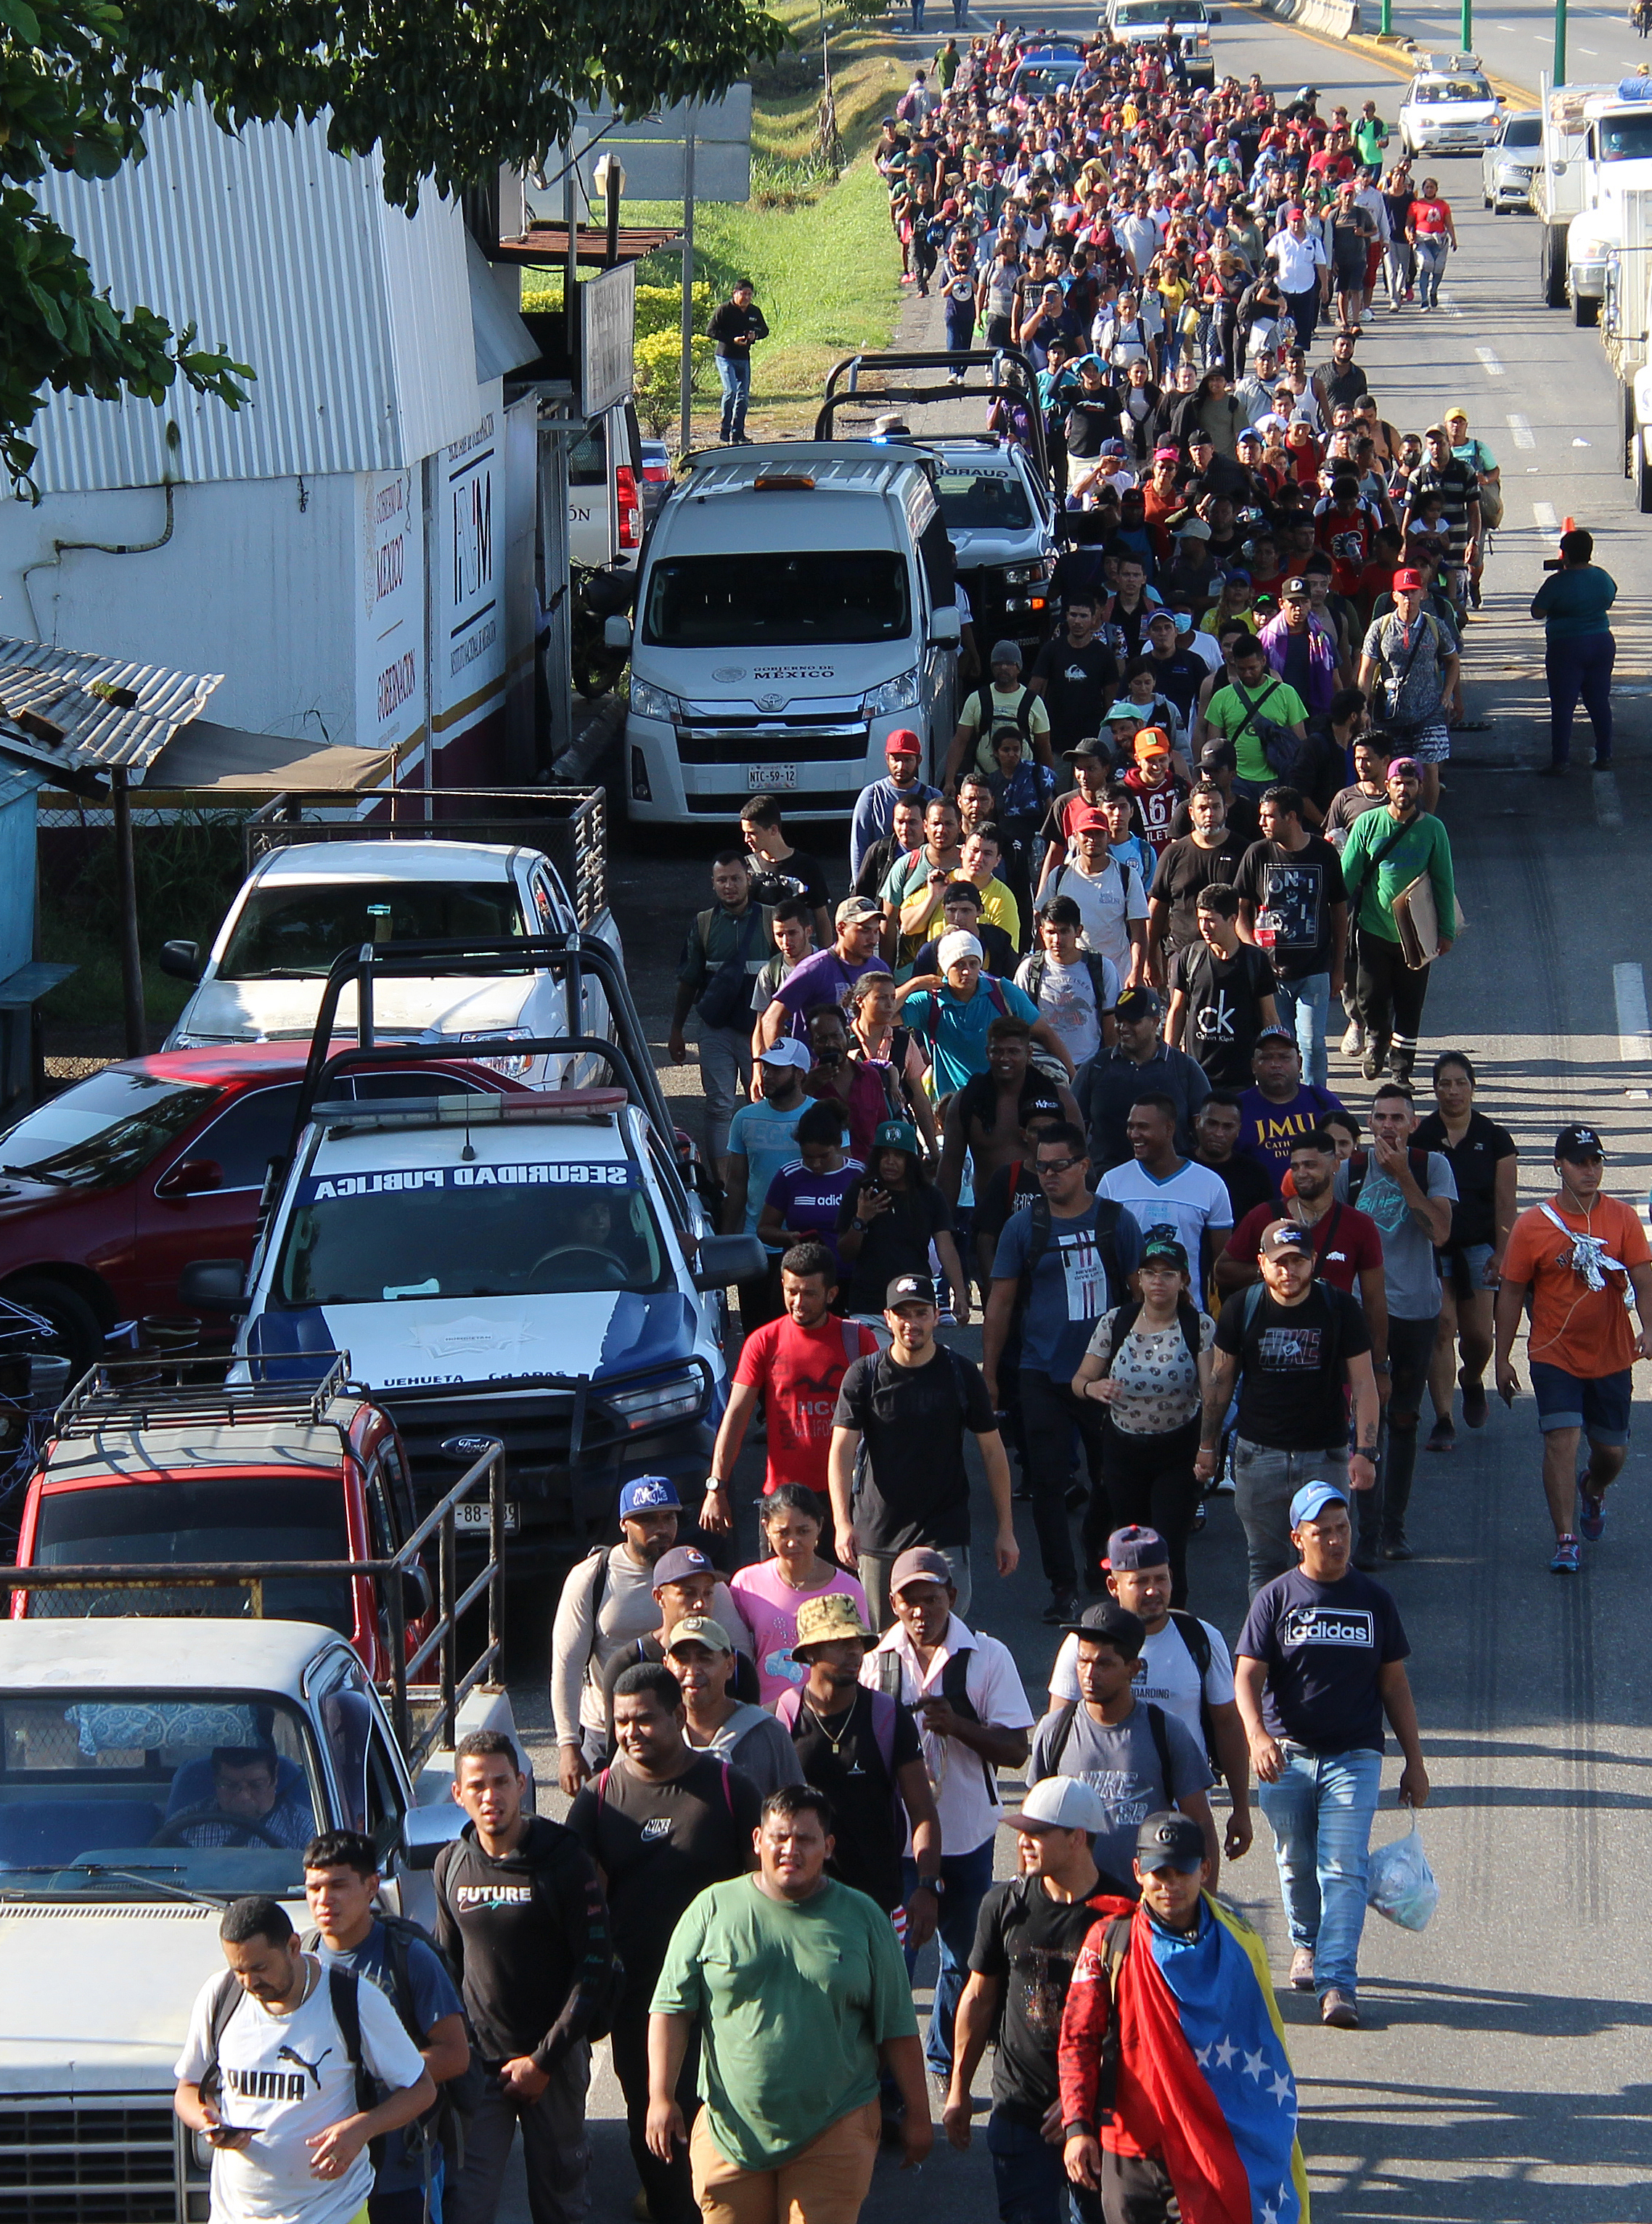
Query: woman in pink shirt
[[769, 1593]]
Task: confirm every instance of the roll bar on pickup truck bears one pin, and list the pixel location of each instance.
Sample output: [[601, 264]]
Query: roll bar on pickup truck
[[1010, 378], [404, 1572]]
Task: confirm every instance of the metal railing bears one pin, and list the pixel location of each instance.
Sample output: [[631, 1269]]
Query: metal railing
[[393, 1575]]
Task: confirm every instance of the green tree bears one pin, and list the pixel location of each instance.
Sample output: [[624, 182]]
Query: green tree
[[447, 93]]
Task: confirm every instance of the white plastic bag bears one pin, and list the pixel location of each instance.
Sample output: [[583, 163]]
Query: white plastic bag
[[1403, 1885]]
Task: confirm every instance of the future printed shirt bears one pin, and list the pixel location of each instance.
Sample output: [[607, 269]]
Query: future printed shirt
[[285, 2079]]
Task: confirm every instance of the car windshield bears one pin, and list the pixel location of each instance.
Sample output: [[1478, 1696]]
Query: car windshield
[[185, 1792], [286, 933], [1524, 131], [178, 1523], [816, 598], [1044, 77], [1161, 11], [1437, 92], [1626, 138], [405, 1235], [982, 502], [104, 1129]]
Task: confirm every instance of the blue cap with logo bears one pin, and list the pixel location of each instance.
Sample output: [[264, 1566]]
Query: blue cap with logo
[[1313, 1499], [650, 1494]]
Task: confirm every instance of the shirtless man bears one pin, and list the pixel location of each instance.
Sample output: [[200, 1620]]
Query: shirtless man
[[989, 1116]]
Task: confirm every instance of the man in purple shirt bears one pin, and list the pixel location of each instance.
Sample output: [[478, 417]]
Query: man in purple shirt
[[1280, 1108], [827, 978]]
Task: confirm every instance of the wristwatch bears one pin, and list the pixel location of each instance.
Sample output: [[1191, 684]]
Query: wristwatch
[[859, 1226], [937, 1884]]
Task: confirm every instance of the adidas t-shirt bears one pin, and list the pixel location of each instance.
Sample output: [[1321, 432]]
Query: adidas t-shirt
[[286, 2078]]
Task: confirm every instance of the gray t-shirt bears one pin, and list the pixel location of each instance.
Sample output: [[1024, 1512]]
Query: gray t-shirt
[[1409, 1269], [1121, 1763]]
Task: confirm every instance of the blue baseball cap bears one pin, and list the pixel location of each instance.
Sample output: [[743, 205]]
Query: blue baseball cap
[[650, 1494], [1313, 1498]]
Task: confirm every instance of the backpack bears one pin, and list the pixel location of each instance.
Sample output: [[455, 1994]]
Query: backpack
[[1359, 1168], [927, 1026], [1068, 1712], [343, 1996], [728, 993], [1115, 1949], [1285, 755], [1124, 871], [606, 1996], [1106, 1242], [458, 2098], [1196, 1638], [1022, 714], [1094, 964], [1187, 1314], [955, 1690], [788, 1712]]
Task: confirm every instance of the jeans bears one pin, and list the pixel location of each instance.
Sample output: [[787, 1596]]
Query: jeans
[[1151, 1484], [726, 1078], [1392, 993], [961, 329], [1431, 268], [1264, 1482], [967, 1878], [1305, 314], [1402, 268], [1033, 2184], [734, 377], [874, 1570], [667, 2184], [960, 15], [1050, 1413], [1381, 1510], [1579, 664], [1304, 1007], [1320, 1812], [555, 2150]]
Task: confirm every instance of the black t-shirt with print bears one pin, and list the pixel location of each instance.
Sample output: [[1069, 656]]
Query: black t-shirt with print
[[660, 1845], [1300, 887], [1293, 1365], [912, 1488], [1030, 1942], [1246, 1185], [844, 1760], [1224, 1008], [896, 1241], [799, 875], [1079, 685], [1184, 871]]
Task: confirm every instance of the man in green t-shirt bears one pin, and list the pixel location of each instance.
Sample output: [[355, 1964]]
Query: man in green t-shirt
[[1253, 697], [1385, 852], [801, 1994]]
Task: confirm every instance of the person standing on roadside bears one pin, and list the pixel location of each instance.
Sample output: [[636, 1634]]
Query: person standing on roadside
[[1485, 1166], [732, 330], [1385, 851], [1321, 1663], [897, 1463], [1578, 649], [521, 1915], [1294, 1348], [1058, 1267], [341, 1881], [791, 2122], [265, 2078], [661, 1823], [727, 948], [1577, 1258]]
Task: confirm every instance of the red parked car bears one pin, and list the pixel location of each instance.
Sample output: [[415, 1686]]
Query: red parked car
[[190, 1471], [110, 1188]]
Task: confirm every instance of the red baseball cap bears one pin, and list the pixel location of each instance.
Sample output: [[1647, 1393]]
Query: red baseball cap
[[903, 742], [1408, 581], [1088, 820]]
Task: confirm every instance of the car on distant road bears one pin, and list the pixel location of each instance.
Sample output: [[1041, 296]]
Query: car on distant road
[[1448, 109], [1144, 22], [1043, 70], [108, 1189], [1508, 164]]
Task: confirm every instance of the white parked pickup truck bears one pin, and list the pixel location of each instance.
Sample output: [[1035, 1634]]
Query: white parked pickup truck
[[116, 1860], [320, 889]]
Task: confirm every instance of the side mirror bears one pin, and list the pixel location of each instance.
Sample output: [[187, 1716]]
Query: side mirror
[[725, 1259], [419, 1592], [214, 1285], [189, 1178], [182, 959], [425, 1830], [946, 627], [616, 631]]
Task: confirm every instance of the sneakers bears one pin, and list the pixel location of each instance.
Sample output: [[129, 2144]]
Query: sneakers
[[1442, 1438], [1591, 1516], [1353, 1041], [1301, 1970], [1399, 1067], [1063, 1608], [1199, 1517], [1367, 1559], [1372, 1064], [1395, 1548], [1567, 1554], [1476, 1407], [1337, 2010]]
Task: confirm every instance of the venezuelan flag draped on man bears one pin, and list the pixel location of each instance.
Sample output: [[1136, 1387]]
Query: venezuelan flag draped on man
[[1175, 2081]]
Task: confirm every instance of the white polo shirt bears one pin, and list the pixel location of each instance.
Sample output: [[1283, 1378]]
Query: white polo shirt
[[1300, 261], [969, 1814]]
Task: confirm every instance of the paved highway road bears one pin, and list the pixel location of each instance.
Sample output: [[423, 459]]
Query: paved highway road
[[1503, 2074]]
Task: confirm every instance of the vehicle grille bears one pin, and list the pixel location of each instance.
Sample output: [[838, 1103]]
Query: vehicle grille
[[818, 803], [801, 743], [537, 1433], [92, 2162]]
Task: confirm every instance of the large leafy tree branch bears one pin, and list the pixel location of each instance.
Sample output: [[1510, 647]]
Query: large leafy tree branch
[[447, 92]]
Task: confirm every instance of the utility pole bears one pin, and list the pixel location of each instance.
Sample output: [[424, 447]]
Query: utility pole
[[1560, 41], [1468, 27], [687, 394]]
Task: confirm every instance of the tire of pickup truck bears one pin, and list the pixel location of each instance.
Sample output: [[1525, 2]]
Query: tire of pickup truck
[[77, 1332], [1551, 267]]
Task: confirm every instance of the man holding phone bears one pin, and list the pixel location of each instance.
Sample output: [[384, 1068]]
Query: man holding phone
[[266, 2075]]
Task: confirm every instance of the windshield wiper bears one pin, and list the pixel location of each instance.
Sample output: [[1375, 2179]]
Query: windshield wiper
[[39, 1173], [144, 1875]]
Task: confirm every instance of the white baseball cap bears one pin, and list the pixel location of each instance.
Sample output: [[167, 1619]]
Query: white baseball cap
[[787, 1051], [1059, 1803]]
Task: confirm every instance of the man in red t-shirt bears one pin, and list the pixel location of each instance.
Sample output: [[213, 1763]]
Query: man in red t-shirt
[[1344, 528], [1156, 789], [796, 1365], [1347, 1243]]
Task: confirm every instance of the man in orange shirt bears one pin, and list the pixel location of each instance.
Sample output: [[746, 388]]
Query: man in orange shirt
[[1579, 1256]]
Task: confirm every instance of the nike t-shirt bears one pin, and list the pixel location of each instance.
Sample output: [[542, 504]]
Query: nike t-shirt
[[285, 2079]]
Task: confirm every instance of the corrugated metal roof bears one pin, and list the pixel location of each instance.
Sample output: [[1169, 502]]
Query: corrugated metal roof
[[503, 342], [56, 684], [355, 317]]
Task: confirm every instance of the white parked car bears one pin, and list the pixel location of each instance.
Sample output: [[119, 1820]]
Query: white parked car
[[1507, 165], [1448, 108]]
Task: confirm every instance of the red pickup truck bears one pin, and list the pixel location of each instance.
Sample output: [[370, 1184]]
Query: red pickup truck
[[169, 1464], [112, 1187]]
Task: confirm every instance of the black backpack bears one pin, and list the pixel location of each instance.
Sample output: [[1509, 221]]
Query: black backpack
[[1094, 964], [990, 717], [343, 1993], [1106, 1242], [955, 1690], [1067, 1714], [1196, 1638]]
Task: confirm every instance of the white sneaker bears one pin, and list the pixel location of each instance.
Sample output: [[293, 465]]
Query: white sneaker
[[1353, 1042]]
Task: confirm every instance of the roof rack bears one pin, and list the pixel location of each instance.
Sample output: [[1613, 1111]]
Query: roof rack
[[1012, 379], [194, 1392]]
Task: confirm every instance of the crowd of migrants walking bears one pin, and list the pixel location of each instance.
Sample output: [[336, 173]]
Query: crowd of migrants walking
[[1067, 1052]]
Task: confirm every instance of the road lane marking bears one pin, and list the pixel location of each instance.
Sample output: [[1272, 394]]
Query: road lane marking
[[1592, 51], [1450, 303], [1634, 1029], [1544, 518], [1521, 432], [1488, 362], [1609, 813]]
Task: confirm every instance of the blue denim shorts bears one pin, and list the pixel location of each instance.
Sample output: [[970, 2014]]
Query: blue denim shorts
[[1599, 1407]]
